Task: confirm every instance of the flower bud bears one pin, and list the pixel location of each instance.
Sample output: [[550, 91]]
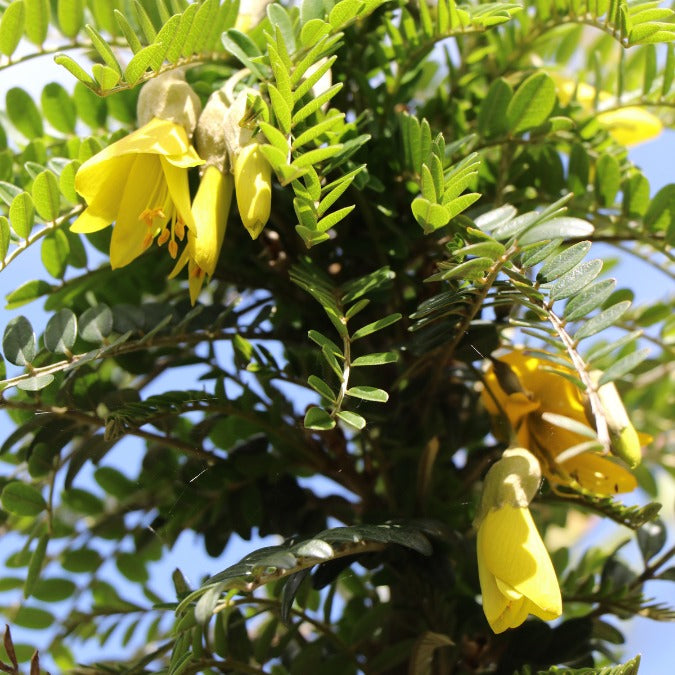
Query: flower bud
[[169, 97], [253, 188], [251, 13], [210, 136], [513, 480], [624, 440]]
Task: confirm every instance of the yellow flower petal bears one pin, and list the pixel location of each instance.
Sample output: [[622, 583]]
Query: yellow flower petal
[[89, 221], [130, 232], [516, 574], [210, 210], [599, 474], [632, 125], [177, 182]]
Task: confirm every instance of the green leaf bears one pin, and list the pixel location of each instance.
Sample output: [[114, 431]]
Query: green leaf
[[368, 394], [46, 195], [660, 216], [70, 15], [563, 262], [23, 113], [61, 332], [11, 27], [58, 108], [575, 279], [243, 48], [492, 119], [376, 325], [35, 566], [96, 323], [27, 292], [352, 419], [67, 181], [132, 567], [607, 179], [531, 104], [82, 501], [578, 170], [623, 366], [588, 299], [37, 20], [318, 419], [114, 482], [344, 11], [564, 227], [54, 589], [334, 218], [429, 216], [35, 383], [651, 539], [55, 252], [82, 560], [104, 50], [106, 76], [141, 62], [22, 499], [602, 320], [18, 341], [32, 617], [315, 104], [74, 68], [4, 237], [321, 388], [281, 108]]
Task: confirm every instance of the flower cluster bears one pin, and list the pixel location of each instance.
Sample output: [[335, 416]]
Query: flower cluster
[[141, 181], [520, 393]]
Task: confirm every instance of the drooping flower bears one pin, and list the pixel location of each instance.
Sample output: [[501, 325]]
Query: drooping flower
[[539, 387], [515, 571], [628, 125], [140, 183], [210, 210]]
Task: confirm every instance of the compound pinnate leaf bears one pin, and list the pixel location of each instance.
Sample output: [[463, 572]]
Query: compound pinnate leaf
[[61, 332], [58, 108], [27, 292], [18, 341], [22, 499]]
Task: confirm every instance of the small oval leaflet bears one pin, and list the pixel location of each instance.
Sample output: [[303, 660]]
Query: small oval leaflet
[[18, 341]]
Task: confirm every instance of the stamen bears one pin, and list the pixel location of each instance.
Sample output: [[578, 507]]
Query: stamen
[[173, 248], [163, 237], [179, 228], [148, 215], [147, 242]]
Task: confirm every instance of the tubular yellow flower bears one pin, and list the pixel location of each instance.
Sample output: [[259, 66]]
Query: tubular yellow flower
[[545, 391], [210, 209], [139, 182], [253, 187], [629, 126], [515, 571]]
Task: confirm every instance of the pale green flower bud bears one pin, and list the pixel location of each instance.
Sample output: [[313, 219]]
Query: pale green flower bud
[[624, 439], [513, 480], [169, 97], [210, 136]]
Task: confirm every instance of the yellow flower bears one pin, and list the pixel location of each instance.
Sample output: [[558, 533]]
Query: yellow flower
[[539, 391], [253, 187], [210, 209], [515, 571], [140, 183], [629, 126]]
